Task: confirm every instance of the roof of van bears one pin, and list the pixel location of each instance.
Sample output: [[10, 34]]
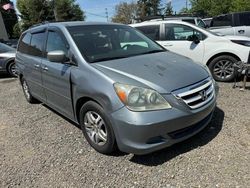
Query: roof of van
[[71, 23]]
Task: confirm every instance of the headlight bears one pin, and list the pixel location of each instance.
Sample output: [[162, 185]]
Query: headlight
[[140, 99], [242, 42]]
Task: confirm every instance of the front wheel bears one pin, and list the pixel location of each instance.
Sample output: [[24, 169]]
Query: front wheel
[[97, 128], [222, 69]]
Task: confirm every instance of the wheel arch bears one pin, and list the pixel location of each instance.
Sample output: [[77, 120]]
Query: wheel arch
[[80, 102], [221, 54]]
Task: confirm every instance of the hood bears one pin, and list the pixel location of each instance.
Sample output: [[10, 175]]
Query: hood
[[163, 72], [235, 37]]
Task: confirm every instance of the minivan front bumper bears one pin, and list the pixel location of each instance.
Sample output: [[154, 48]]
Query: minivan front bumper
[[145, 132]]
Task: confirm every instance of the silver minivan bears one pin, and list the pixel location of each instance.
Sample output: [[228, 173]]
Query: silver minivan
[[125, 90]]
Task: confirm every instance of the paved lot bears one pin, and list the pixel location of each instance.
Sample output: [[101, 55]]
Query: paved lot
[[39, 148]]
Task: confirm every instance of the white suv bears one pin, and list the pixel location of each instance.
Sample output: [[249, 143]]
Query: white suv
[[217, 52]]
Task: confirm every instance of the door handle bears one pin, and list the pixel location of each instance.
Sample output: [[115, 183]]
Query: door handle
[[45, 68], [36, 66], [166, 45], [241, 31]]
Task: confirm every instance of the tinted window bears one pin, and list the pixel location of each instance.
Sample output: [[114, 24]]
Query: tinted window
[[107, 42], [37, 43], [222, 21], [5, 48], [24, 43], [181, 32], [55, 42], [151, 31], [244, 18]]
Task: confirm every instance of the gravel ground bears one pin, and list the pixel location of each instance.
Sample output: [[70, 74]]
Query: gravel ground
[[39, 148]]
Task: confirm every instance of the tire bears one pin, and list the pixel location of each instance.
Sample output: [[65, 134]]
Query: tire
[[98, 132], [27, 93], [11, 69], [222, 69]]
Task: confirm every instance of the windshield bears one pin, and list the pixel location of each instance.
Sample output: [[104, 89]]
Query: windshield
[[105, 42], [5, 48]]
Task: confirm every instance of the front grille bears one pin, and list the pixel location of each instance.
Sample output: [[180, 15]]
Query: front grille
[[197, 95]]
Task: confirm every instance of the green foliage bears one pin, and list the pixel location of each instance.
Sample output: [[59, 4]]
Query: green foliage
[[37, 11], [217, 7], [16, 31], [9, 17], [125, 13], [68, 10], [168, 10], [148, 8], [33, 12]]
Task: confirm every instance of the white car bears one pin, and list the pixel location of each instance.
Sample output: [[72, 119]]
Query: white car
[[219, 53]]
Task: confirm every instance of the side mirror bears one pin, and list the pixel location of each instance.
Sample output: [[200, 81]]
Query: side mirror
[[58, 56], [194, 38]]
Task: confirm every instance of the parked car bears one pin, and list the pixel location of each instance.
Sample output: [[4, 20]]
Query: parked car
[[7, 60], [232, 24], [219, 53], [193, 20], [121, 87]]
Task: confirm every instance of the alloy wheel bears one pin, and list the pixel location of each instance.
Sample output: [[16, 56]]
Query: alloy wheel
[[223, 69], [95, 128]]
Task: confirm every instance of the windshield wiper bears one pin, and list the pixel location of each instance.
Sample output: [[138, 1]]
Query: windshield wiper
[[153, 51], [108, 58]]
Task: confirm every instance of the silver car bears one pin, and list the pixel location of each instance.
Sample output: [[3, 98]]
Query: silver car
[[125, 90], [7, 60]]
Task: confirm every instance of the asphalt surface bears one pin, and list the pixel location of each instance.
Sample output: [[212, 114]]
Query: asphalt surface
[[39, 148]]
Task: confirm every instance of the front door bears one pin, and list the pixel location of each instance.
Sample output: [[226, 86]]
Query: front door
[[177, 40], [56, 76]]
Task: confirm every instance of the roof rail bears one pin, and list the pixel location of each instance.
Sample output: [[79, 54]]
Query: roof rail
[[163, 17]]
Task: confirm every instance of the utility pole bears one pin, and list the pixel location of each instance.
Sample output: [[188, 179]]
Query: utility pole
[[54, 10], [107, 14], [186, 4]]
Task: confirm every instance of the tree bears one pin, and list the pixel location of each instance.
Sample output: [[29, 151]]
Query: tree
[[169, 9], [148, 8], [125, 13], [217, 7], [33, 12], [37, 11], [9, 17], [68, 10]]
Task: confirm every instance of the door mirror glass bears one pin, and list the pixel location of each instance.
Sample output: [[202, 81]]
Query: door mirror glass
[[56, 56]]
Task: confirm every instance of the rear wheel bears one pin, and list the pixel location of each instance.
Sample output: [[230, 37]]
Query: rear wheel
[[97, 128], [27, 93], [12, 69], [222, 69]]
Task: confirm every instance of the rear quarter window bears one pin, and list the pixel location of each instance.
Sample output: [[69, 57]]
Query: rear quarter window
[[151, 31], [24, 43], [244, 19], [225, 20]]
